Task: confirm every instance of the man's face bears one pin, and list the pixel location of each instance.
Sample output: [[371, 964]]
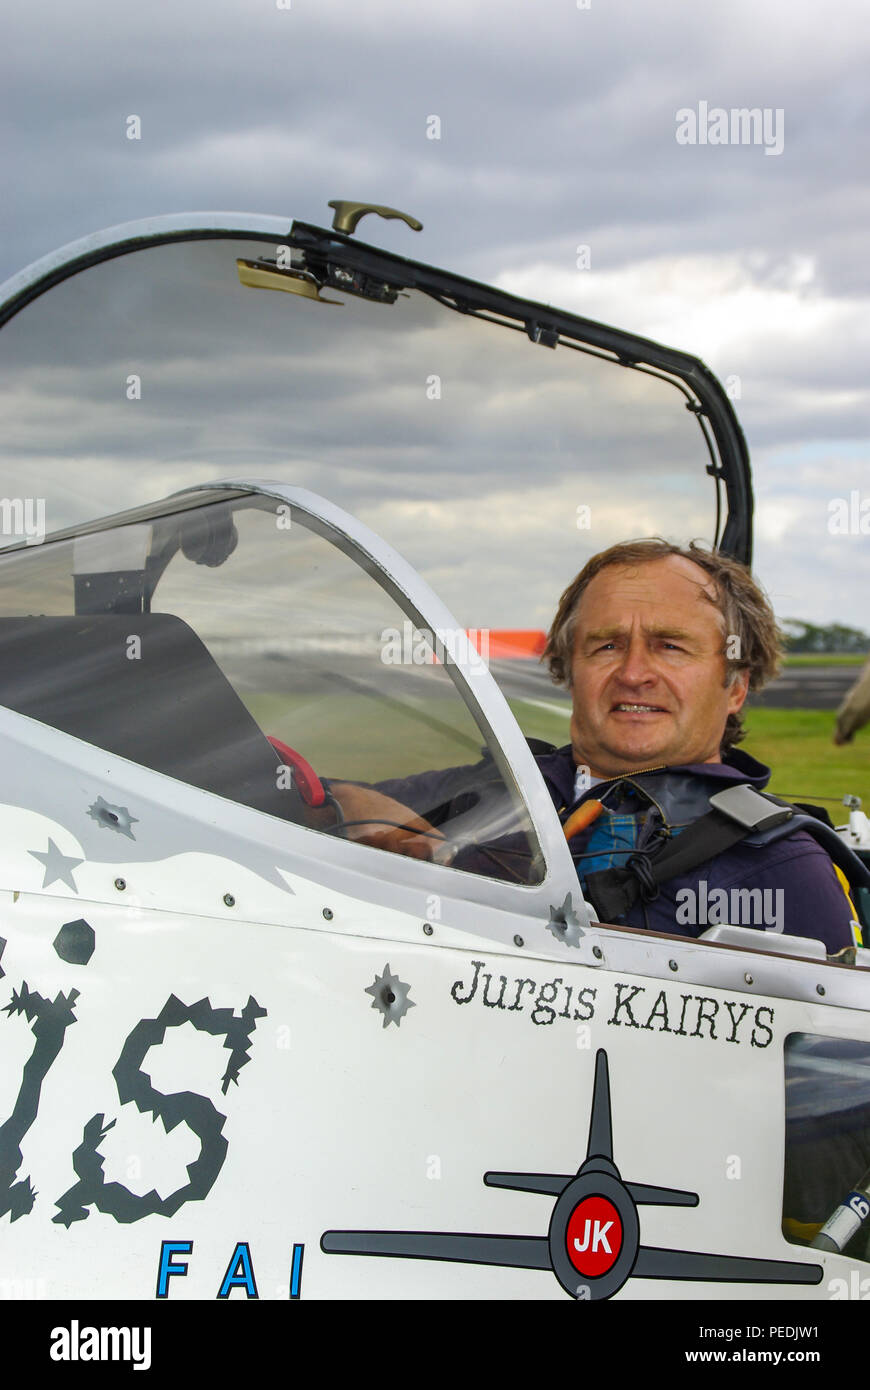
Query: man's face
[[648, 671]]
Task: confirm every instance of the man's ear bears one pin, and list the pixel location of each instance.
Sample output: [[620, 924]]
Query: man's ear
[[737, 691]]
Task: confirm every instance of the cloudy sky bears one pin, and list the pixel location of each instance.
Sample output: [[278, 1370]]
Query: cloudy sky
[[557, 128]]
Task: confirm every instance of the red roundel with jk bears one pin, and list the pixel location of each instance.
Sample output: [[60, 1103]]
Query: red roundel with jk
[[594, 1236]]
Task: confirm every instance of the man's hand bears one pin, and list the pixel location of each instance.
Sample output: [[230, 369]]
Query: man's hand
[[412, 834]]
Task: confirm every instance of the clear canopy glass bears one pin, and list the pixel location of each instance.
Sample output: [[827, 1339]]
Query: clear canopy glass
[[243, 645]]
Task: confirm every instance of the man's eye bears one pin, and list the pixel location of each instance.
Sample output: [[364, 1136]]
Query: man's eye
[[673, 646]]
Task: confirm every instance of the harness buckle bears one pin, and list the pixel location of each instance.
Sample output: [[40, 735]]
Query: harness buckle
[[750, 808]]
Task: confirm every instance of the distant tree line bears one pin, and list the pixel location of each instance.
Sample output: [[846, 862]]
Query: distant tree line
[[835, 637]]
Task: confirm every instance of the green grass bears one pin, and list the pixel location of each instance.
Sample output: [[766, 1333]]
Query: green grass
[[536, 722], [796, 743]]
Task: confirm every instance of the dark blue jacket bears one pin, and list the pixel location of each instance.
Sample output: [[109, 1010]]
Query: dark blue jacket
[[800, 891]]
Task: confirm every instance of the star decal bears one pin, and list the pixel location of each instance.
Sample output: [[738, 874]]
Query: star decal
[[56, 865], [111, 817], [390, 997], [564, 923]]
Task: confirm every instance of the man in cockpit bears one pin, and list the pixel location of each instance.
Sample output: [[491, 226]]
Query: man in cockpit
[[660, 646]]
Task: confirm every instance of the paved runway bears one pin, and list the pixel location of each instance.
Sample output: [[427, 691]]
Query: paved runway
[[807, 687]]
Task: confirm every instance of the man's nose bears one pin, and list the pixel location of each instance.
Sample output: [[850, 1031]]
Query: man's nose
[[637, 666]]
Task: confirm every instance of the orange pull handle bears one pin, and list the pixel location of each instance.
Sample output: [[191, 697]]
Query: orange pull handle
[[583, 816]]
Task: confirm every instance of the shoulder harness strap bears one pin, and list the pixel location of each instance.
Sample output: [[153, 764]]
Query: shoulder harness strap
[[738, 811]]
